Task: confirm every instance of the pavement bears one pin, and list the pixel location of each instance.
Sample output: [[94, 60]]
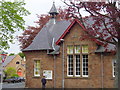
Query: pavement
[[13, 85]]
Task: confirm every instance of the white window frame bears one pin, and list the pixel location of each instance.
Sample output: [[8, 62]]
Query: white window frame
[[82, 67], [68, 69], [83, 49], [35, 69], [75, 67], [68, 49], [113, 68], [76, 49]]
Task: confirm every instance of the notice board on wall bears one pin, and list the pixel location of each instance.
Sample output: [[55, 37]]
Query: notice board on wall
[[47, 74]]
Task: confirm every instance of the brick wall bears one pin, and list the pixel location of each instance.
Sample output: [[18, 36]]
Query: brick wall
[[95, 78], [16, 66]]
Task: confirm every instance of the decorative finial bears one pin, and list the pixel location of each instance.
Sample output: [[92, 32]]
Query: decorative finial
[[53, 11], [54, 1]]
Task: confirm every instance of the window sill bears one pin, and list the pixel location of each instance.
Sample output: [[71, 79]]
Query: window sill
[[49, 79], [112, 78], [36, 76], [77, 77]]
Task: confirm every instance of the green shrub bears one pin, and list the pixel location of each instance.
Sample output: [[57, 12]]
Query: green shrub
[[11, 72], [15, 75]]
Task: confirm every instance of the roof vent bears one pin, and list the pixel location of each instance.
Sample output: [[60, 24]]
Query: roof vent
[[53, 11]]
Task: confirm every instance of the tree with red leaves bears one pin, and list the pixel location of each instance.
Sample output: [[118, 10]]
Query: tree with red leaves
[[103, 26], [29, 34]]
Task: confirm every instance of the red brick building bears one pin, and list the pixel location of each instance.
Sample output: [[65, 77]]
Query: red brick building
[[67, 62], [17, 63]]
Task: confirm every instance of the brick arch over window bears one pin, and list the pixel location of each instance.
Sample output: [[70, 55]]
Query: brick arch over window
[[19, 72]]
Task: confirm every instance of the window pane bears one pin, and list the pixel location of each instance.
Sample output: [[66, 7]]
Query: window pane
[[86, 73], [85, 65], [77, 58], [17, 62], [77, 49], [70, 64], [37, 68], [70, 49], [85, 49], [114, 68]]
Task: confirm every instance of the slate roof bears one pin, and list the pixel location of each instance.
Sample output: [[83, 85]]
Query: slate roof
[[8, 60], [108, 48], [48, 35], [89, 22]]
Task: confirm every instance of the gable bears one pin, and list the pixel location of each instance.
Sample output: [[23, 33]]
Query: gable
[[11, 61], [73, 37], [108, 48], [69, 28]]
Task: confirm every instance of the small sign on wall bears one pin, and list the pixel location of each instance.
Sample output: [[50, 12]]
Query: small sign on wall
[[47, 74]]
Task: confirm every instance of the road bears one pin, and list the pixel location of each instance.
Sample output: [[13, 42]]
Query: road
[[13, 85]]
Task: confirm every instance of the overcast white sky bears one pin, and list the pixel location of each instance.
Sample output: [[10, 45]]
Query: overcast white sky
[[34, 7]]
